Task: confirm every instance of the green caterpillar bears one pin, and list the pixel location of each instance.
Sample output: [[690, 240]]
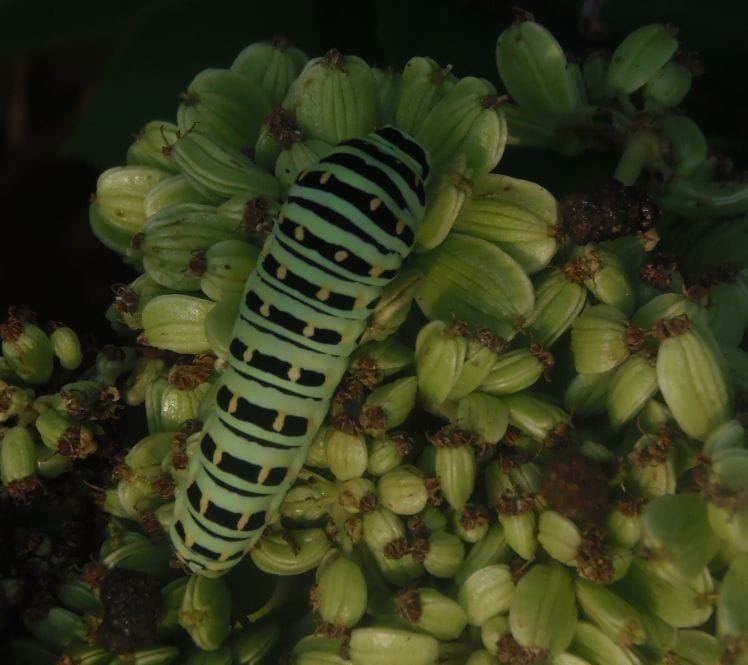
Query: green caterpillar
[[349, 221]]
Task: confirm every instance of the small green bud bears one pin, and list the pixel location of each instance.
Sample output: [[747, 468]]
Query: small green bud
[[618, 619], [444, 555], [251, 645], [486, 593], [432, 612], [18, 461], [274, 554], [489, 550], [345, 453], [403, 491], [559, 536], [66, 346], [26, 349], [394, 401], [483, 414], [391, 646], [387, 453], [340, 594], [492, 631]]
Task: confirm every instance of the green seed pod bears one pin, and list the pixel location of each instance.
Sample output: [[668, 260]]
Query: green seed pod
[[250, 646], [491, 549], [668, 88], [529, 130], [439, 358], [519, 216], [145, 371], [58, 630], [519, 524], [424, 83], [476, 282], [378, 645], [136, 495], [639, 58], [14, 401], [66, 346], [220, 657], [27, 350], [631, 385], [339, 99], [304, 505], [587, 393], [686, 143], [593, 71], [227, 266], [403, 490], [455, 467], [317, 650], [153, 396], [479, 359], [601, 339], [543, 612], [386, 453], [492, 631], [171, 191], [512, 372], [130, 299], [172, 595], [142, 555], [270, 65], [220, 171], [558, 302], [445, 554], [345, 453], [595, 646], [484, 415], [695, 647], [394, 400], [624, 525], [151, 146], [658, 588], [442, 208], [85, 655], [399, 569], [538, 418], [393, 306], [481, 657], [727, 314], [388, 90], [559, 536], [382, 527], [50, 464], [299, 156], [61, 434], [180, 401], [668, 306], [151, 656], [486, 593], [173, 237], [340, 594], [732, 617], [465, 128], [675, 528], [652, 472], [533, 67], [432, 612], [274, 554], [606, 278], [692, 377], [226, 105], [388, 357], [176, 323], [17, 459], [77, 596], [619, 620], [118, 212]]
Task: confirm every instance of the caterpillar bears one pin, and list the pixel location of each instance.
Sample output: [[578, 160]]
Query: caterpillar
[[340, 237]]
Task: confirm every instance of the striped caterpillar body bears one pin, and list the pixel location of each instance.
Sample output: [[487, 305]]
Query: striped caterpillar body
[[341, 236]]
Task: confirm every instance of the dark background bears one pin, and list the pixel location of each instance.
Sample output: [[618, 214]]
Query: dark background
[[79, 77]]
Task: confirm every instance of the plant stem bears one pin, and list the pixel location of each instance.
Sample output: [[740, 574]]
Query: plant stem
[[636, 154]]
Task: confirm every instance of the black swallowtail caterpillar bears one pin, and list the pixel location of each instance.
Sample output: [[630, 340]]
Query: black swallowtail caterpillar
[[340, 237]]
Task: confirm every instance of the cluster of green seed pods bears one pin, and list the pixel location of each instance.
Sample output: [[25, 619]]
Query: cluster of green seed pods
[[538, 454]]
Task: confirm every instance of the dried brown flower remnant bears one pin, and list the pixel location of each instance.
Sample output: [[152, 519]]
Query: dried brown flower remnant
[[576, 487], [674, 327], [604, 212]]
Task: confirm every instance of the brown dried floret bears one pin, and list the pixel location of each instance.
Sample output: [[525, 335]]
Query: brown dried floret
[[576, 487]]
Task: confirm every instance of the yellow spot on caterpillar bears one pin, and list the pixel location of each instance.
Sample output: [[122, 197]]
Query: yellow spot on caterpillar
[[341, 255], [376, 271], [279, 421], [189, 540], [247, 357], [204, 503], [281, 272], [265, 309], [243, 521], [400, 227], [359, 303], [375, 203], [294, 373], [325, 177], [281, 217], [323, 294], [346, 339], [234, 403], [263, 475], [303, 174], [308, 330], [224, 556], [217, 456], [298, 233]]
